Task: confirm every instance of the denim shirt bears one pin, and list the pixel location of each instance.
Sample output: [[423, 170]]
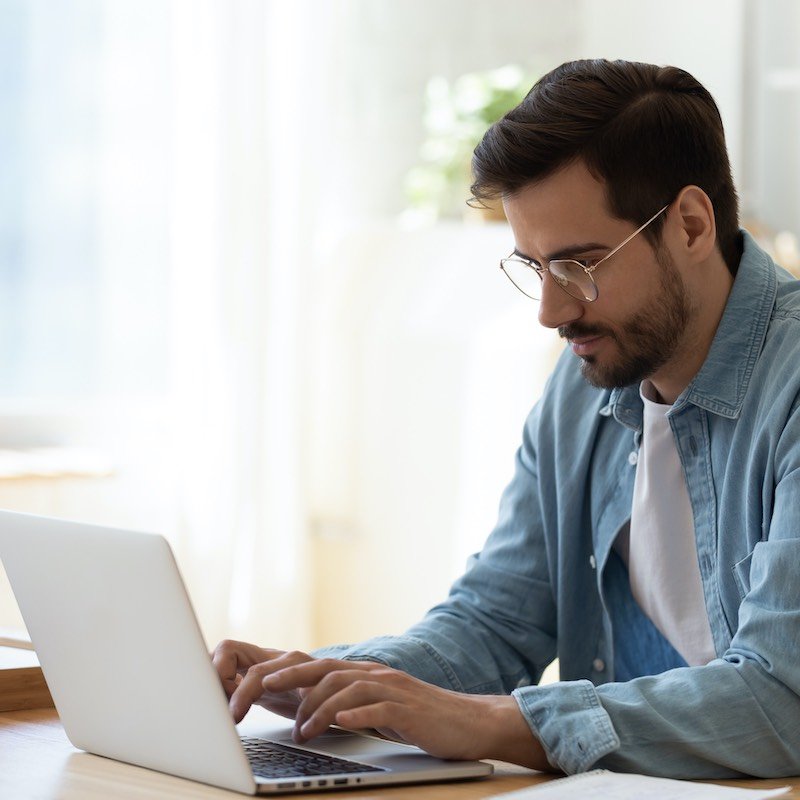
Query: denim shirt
[[536, 590]]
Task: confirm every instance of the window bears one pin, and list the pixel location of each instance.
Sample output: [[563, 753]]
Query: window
[[83, 238]]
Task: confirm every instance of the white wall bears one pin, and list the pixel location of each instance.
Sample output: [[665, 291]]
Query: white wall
[[772, 91]]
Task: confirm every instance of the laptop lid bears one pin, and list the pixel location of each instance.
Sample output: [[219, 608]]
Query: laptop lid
[[120, 648], [130, 674]]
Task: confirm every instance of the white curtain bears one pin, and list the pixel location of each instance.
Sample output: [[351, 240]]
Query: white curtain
[[237, 325]]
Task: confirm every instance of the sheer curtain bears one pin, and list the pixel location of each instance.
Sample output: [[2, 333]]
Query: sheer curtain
[[238, 182]]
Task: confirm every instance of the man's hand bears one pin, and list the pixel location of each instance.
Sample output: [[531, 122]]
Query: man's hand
[[362, 694], [318, 693]]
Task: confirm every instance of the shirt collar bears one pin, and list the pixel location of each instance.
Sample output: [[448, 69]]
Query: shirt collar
[[722, 382]]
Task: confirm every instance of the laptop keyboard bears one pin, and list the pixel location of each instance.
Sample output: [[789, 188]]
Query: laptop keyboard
[[272, 760]]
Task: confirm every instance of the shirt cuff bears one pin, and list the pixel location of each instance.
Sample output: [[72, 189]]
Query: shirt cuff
[[567, 718]]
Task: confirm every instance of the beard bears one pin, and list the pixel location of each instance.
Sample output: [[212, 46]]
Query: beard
[[645, 341]]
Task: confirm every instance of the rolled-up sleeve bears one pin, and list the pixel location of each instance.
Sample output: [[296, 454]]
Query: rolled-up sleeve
[[738, 715], [570, 722]]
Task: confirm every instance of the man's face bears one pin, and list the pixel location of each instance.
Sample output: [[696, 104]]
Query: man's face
[[637, 325]]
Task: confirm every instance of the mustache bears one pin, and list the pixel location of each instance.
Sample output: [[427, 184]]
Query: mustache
[[576, 329]]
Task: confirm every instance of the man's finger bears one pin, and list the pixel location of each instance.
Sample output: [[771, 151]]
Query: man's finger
[[355, 692], [231, 658], [247, 692], [250, 689], [286, 676], [386, 718]]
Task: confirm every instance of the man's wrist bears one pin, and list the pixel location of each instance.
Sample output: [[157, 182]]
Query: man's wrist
[[509, 737]]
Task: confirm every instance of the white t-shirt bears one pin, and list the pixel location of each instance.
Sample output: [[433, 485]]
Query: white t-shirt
[[661, 551]]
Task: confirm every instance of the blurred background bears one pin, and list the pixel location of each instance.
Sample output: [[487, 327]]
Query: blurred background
[[243, 303]]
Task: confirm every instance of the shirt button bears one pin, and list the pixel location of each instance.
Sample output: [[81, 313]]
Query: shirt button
[[633, 458], [598, 665], [592, 561]]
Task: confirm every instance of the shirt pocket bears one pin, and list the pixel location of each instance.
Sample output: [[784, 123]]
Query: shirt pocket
[[741, 574]]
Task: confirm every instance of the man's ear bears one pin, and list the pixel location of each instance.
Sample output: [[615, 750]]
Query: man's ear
[[696, 228]]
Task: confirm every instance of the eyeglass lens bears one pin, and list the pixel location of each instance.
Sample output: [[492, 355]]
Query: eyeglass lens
[[569, 275]]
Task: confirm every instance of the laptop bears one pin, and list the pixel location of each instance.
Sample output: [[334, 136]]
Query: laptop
[[132, 680]]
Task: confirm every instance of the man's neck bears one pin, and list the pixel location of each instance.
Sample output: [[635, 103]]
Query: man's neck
[[711, 296]]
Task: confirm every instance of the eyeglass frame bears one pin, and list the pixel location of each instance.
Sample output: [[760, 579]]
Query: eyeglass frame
[[540, 269]]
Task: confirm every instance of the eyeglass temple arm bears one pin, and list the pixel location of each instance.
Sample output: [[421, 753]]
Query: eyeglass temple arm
[[635, 233]]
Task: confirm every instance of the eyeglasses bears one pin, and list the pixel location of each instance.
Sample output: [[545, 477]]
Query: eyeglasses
[[574, 277]]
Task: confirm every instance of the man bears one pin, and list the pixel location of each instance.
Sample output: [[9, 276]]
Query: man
[[649, 537]]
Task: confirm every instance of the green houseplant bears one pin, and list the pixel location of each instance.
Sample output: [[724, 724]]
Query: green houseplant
[[456, 116]]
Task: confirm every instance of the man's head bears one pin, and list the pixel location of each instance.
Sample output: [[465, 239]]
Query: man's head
[[643, 131]]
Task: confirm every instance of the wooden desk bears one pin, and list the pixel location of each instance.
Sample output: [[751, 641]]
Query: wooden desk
[[37, 761]]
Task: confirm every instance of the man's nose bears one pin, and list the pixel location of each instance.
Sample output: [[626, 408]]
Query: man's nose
[[556, 307]]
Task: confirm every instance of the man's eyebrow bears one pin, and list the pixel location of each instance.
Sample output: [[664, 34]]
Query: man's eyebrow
[[567, 252]]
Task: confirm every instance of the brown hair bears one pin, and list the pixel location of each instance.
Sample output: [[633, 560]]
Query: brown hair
[[645, 131]]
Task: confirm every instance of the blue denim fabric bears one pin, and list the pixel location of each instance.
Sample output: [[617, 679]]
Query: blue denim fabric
[[639, 647], [536, 590]]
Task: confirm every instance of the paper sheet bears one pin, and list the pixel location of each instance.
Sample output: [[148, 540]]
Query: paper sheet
[[601, 784]]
